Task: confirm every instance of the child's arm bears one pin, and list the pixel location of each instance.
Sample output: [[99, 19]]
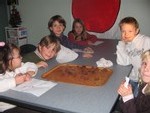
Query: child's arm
[[20, 78], [78, 42], [87, 55], [8, 83], [41, 64], [92, 37], [31, 68], [125, 92], [88, 52], [128, 103], [122, 57]]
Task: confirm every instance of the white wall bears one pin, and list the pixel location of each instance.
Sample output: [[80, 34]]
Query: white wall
[[140, 9], [35, 15]]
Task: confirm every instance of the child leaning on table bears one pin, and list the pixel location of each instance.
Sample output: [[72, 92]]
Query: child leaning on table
[[47, 48], [141, 103], [15, 72], [57, 25], [131, 46]]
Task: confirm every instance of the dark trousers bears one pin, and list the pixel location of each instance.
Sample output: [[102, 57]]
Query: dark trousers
[[20, 110], [25, 110]]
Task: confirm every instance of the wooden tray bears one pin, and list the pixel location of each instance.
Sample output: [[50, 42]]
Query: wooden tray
[[78, 74]]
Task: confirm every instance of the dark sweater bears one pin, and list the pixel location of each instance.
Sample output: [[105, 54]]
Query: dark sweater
[[31, 57], [140, 104], [65, 42]]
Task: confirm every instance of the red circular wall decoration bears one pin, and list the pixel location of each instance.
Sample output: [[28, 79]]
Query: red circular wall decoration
[[98, 15]]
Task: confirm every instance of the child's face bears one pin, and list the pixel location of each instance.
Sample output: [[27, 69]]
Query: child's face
[[48, 52], [57, 28], [128, 32], [145, 71], [16, 61], [78, 28]]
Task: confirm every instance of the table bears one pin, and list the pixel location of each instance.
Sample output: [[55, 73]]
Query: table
[[71, 98]]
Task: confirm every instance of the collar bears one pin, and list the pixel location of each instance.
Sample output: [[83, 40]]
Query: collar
[[39, 54], [134, 40], [146, 89]]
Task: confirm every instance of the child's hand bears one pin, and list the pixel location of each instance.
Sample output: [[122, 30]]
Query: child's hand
[[87, 55], [123, 91], [42, 64], [90, 42], [20, 78], [88, 50], [28, 77], [30, 73]]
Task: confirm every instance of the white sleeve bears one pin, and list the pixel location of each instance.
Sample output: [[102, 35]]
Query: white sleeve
[[31, 67], [128, 97], [66, 55], [7, 83], [146, 43], [122, 57]]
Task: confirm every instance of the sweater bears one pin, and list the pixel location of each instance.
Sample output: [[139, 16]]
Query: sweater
[[33, 57], [91, 38], [140, 104], [65, 42], [7, 81], [130, 53]]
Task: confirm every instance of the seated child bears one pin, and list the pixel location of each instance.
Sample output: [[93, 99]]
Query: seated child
[[141, 103], [14, 71], [57, 26], [131, 46], [79, 35], [47, 48]]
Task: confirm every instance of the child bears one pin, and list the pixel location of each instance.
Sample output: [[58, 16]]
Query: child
[[57, 26], [141, 103], [13, 67], [1, 45], [47, 48], [14, 71], [79, 35], [131, 46]]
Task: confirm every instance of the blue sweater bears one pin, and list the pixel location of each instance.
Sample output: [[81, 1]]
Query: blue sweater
[[65, 42]]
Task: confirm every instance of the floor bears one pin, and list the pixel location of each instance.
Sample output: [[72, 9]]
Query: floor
[[20, 110], [24, 110]]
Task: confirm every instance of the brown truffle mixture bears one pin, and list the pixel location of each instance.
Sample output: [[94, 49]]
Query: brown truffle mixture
[[78, 74]]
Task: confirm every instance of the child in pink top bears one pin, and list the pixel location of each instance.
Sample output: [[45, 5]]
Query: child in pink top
[[79, 35]]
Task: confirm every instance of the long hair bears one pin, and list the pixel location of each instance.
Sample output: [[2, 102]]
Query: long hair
[[7, 51], [83, 35], [146, 55]]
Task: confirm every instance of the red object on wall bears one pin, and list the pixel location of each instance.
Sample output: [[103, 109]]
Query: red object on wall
[[98, 15]]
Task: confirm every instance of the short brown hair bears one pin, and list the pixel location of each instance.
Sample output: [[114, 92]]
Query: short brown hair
[[129, 20], [50, 39], [58, 18]]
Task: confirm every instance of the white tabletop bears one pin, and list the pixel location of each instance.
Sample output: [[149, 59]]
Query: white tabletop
[[71, 98]]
